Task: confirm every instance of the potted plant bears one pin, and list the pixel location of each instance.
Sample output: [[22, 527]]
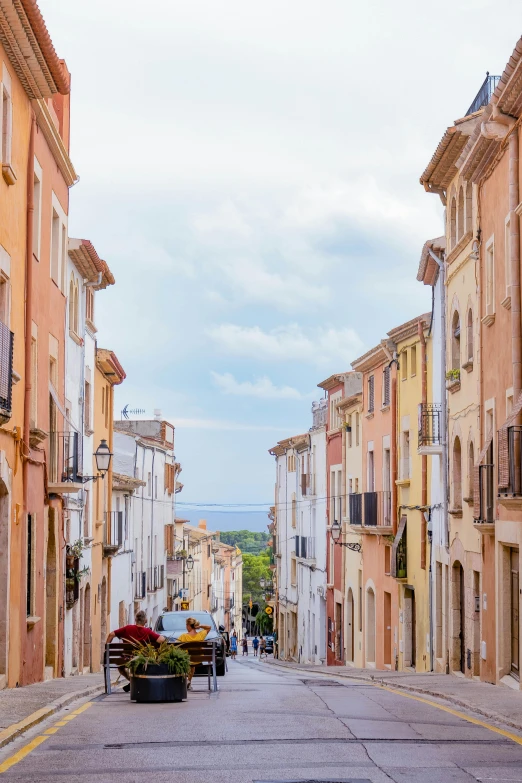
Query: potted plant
[[159, 673]]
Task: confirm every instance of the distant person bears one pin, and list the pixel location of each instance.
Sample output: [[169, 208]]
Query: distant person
[[255, 645], [195, 633], [135, 633], [233, 646], [262, 647], [245, 646]]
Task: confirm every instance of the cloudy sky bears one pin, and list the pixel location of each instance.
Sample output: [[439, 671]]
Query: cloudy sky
[[250, 173]]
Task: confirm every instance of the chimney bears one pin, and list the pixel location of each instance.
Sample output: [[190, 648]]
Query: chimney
[[202, 524], [157, 414]]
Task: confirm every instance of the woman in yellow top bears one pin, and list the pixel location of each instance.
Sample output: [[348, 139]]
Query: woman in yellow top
[[195, 633]]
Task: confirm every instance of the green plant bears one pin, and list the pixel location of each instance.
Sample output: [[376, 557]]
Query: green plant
[[75, 549], [181, 553], [177, 660], [453, 375]]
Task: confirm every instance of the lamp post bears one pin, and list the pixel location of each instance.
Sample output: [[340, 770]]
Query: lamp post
[[103, 456], [336, 531]]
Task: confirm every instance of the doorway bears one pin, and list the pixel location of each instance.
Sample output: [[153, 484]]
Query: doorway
[[370, 626], [103, 617], [515, 626], [387, 629], [86, 631], [410, 631], [459, 619], [4, 577], [349, 626], [50, 597], [338, 632]]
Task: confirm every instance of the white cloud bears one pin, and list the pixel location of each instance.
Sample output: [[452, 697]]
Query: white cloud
[[289, 343], [263, 388]]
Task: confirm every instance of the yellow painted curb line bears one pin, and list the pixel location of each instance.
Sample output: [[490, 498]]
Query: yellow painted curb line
[[34, 743], [27, 723]]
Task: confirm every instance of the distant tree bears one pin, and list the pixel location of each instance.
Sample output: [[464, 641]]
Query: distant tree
[[249, 541]]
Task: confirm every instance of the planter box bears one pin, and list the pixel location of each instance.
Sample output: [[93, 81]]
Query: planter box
[[157, 684]]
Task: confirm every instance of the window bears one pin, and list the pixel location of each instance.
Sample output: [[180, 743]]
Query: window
[[293, 571], [356, 485], [509, 402], [357, 428], [371, 472], [87, 408], [89, 304], [34, 379], [387, 560], [63, 264], [405, 455], [349, 433], [507, 256], [455, 341], [53, 371], [371, 394], [331, 562], [332, 496], [453, 222], [290, 463], [37, 204], [460, 214], [471, 465], [457, 474], [404, 365], [30, 563], [470, 335], [294, 510], [5, 300], [490, 278], [335, 419], [413, 361], [350, 486], [156, 487], [86, 512], [149, 484], [55, 248], [469, 206], [107, 407], [386, 387], [7, 118]]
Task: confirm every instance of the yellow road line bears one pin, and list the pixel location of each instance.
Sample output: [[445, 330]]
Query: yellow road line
[[21, 754], [514, 737]]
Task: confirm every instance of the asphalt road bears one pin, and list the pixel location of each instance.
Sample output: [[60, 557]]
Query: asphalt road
[[265, 724]]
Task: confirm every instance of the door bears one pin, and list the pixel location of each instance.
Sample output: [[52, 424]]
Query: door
[[338, 632], [462, 622], [514, 613], [349, 625], [413, 630], [387, 628]]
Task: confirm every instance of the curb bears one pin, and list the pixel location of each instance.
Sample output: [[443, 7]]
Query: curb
[[17, 729], [493, 716]]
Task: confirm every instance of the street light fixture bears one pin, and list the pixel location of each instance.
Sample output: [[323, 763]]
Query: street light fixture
[[103, 456], [335, 532], [190, 563], [262, 583]]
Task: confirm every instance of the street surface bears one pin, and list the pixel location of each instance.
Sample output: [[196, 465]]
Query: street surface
[[265, 724]]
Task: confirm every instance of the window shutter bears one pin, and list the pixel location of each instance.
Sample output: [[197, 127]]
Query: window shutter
[[503, 458], [297, 550], [371, 393], [476, 492]]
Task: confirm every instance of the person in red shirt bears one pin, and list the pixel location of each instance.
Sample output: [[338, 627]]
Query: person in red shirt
[[135, 633]]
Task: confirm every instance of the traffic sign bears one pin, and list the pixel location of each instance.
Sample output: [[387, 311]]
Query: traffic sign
[[268, 609], [184, 605]]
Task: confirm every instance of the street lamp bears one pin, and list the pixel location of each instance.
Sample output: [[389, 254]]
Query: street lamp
[[335, 532], [262, 583], [190, 563], [103, 456]]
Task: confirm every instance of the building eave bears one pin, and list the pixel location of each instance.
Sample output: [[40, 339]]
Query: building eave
[[349, 402], [372, 358], [108, 364], [409, 328], [87, 261], [30, 50], [124, 483], [54, 141], [428, 270], [442, 167], [333, 381], [508, 93]]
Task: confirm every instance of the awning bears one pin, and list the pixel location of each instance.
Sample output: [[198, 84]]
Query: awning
[[56, 400]]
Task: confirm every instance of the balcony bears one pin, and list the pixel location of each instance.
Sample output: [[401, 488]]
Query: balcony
[[510, 467], [64, 464], [155, 578], [483, 96], [430, 428], [305, 547], [6, 372], [486, 499], [371, 510], [112, 532], [140, 589]]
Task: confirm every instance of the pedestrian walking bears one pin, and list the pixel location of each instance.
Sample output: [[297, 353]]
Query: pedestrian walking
[[135, 633], [195, 633], [262, 647], [233, 646], [245, 646], [255, 645]]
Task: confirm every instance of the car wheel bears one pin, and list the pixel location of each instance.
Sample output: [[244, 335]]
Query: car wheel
[[220, 668]]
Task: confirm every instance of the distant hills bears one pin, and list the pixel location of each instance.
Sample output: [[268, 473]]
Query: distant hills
[[248, 541]]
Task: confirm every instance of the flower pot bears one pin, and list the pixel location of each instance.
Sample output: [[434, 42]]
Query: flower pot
[[401, 573], [156, 683]]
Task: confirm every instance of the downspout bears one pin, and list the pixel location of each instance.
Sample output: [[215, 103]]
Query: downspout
[[443, 404], [424, 492], [393, 445], [28, 310], [514, 250]]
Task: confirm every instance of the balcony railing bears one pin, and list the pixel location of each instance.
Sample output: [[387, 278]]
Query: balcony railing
[[112, 532], [141, 584], [486, 505], [430, 424], [371, 509], [6, 372], [305, 547], [65, 457], [483, 96], [514, 462]]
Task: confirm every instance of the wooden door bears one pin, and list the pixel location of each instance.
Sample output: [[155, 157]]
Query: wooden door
[[514, 613], [387, 629]]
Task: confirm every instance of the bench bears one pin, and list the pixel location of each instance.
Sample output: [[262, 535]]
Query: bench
[[204, 653]]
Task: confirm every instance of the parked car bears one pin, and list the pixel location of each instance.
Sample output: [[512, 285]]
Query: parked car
[[269, 645], [172, 624]]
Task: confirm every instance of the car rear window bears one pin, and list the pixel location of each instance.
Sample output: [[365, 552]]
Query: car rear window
[[176, 621]]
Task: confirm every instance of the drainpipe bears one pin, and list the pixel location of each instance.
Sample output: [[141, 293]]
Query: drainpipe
[[393, 448], [28, 309], [514, 249], [424, 493]]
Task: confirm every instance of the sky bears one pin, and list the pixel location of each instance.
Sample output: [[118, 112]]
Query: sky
[[250, 173]]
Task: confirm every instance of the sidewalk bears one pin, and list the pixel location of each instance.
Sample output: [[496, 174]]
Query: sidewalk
[[21, 708], [496, 702]]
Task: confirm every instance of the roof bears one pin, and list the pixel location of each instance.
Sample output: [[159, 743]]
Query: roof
[[89, 263], [107, 362], [333, 380], [409, 328], [372, 358], [28, 45], [295, 442], [507, 95], [442, 167], [428, 268], [122, 482], [347, 402]]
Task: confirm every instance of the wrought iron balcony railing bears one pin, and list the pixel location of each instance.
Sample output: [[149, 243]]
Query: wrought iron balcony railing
[[371, 509], [486, 496], [112, 532], [510, 462], [483, 97], [65, 457], [6, 372], [430, 424]]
